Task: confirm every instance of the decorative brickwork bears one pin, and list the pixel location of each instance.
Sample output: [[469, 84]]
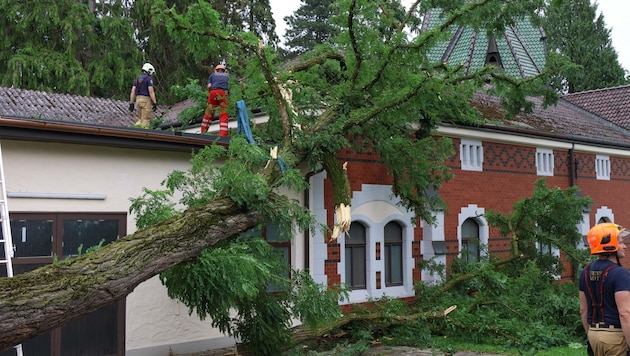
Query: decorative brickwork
[[334, 251], [416, 250], [505, 158]]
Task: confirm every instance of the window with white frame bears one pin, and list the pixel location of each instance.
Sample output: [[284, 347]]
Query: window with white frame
[[544, 162], [547, 251], [355, 256], [602, 167], [393, 254], [471, 155], [470, 240]]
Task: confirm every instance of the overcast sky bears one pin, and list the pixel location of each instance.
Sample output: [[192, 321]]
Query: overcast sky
[[615, 12]]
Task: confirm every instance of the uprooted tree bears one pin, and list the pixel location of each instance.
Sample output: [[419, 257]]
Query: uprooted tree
[[373, 86]]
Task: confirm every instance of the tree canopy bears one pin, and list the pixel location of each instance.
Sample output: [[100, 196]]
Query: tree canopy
[[97, 49], [372, 86], [575, 32], [309, 25]]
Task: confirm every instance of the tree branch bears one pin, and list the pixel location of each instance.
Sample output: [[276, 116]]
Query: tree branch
[[35, 302], [354, 44]]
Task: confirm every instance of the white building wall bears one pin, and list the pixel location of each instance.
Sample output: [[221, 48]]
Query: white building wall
[[155, 324]]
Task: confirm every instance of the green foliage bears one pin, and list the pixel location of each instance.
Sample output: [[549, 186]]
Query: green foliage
[[66, 47], [546, 219], [79, 252], [310, 25], [231, 172], [512, 302], [518, 304], [238, 277], [235, 276], [312, 304], [92, 248], [152, 207], [577, 33], [349, 93], [528, 312]]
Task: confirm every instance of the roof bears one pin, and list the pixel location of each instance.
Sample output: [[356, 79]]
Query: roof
[[610, 103], [564, 121], [89, 134], [26, 114], [519, 50], [32, 104]]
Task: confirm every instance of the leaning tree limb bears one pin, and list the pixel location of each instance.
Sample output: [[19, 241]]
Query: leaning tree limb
[[302, 333]]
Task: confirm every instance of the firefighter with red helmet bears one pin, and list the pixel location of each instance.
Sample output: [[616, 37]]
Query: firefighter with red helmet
[[605, 292]]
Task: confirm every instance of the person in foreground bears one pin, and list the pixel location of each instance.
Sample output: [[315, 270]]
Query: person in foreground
[[605, 292]]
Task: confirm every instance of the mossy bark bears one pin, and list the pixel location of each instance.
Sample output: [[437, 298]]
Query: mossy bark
[[35, 302], [339, 179], [303, 333]]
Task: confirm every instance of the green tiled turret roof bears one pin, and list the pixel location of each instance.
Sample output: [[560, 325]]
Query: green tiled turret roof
[[520, 50]]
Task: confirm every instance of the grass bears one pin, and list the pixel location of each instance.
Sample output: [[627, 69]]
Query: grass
[[450, 345], [447, 346]]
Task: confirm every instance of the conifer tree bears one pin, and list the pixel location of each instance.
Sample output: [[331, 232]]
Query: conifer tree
[[310, 25], [68, 46], [576, 32]]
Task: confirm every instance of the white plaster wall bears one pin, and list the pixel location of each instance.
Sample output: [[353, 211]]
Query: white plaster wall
[[432, 233], [318, 247], [153, 320]]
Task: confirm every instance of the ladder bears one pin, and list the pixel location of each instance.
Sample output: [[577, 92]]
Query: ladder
[[6, 233]]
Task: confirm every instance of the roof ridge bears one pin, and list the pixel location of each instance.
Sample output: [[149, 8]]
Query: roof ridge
[[34, 91], [595, 90]]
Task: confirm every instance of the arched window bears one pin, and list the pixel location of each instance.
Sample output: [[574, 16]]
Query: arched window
[[355, 256], [470, 240], [393, 254]]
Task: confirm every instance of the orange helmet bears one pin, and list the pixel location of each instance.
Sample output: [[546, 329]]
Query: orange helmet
[[219, 66], [604, 237]]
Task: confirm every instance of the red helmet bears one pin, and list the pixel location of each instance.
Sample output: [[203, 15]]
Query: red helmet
[[605, 237]]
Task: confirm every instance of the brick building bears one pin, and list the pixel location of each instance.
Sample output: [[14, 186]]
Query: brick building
[[494, 166]]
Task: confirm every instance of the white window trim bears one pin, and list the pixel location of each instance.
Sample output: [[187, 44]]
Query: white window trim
[[471, 155], [544, 161], [604, 212], [474, 212], [555, 252], [367, 207], [602, 167]]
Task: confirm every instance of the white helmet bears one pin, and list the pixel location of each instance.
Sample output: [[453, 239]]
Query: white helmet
[[147, 67]]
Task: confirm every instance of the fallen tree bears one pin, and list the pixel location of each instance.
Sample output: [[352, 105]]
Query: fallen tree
[[511, 300], [34, 302], [352, 95]]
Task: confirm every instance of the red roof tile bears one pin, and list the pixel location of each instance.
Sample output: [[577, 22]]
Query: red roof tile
[[563, 119], [612, 104]]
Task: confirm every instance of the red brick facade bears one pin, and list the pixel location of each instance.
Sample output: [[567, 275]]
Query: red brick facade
[[509, 173]]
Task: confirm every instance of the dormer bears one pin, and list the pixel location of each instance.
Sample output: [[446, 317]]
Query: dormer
[[492, 54]]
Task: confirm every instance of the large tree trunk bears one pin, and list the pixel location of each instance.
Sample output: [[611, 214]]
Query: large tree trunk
[[38, 301]]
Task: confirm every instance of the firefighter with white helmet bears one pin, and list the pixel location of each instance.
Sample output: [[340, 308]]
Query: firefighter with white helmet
[[218, 90], [605, 292], [143, 95]]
